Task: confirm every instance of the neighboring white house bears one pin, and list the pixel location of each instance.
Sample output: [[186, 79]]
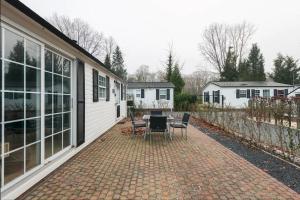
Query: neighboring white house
[[295, 91], [237, 94], [151, 95], [56, 98]]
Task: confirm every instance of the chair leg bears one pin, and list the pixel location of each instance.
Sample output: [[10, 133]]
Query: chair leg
[[132, 135], [181, 132]]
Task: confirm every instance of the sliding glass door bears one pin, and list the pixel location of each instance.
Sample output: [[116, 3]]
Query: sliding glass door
[[30, 134]]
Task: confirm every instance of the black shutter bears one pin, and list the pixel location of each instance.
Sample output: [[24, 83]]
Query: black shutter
[[122, 92], [95, 86], [142, 93], [107, 88], [248, 94], [275, 92], [286, 92], [168, 94], [237, 93], [218, 96], [80, 103], [125, 92], [252, 93], [157, 94], [213, 96]]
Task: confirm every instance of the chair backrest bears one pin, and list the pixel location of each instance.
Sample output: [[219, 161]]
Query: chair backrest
[[158, 123], [185, 118], [156, 112], [131, 116]]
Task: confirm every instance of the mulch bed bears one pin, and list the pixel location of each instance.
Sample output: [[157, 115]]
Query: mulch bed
[[283, 171]]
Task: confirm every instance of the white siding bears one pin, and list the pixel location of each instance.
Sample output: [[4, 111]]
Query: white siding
[[230, 94], [99, 116], [149, 101]]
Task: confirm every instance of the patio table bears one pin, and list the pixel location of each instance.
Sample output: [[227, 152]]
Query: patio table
[[170, 118]]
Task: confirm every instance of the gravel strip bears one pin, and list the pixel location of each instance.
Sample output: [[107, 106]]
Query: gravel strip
[[282, 171]]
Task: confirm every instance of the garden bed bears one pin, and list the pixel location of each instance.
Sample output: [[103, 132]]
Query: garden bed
[[283, 171]]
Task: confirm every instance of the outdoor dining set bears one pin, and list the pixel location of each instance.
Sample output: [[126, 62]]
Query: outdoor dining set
[[158, 122]]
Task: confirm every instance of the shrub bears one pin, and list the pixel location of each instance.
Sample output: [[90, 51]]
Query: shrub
[[185, 102]]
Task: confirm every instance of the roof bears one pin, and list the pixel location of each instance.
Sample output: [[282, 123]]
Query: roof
[[136, 85], [248, 84], [34, 16]]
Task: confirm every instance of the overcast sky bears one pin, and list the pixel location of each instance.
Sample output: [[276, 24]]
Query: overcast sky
[[145, 28]]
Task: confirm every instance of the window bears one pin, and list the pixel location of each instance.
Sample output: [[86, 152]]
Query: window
[[243, 93], [57, 103], [102, 87], [280, 93], [138, 93], [266, 93], [216, 96], [163, 94], [257, 93], [21, 97]]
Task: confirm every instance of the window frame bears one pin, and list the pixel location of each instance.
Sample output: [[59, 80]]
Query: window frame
[[160, 94], [138, 93], [268, 92], [243, 94], [101, 87], [256, 93]]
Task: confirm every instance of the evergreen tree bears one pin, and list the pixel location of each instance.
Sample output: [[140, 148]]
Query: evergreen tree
[[107, 62], [177, 80], [169, 67], [118, 63], [286, 70], [243, 71], [230, 72], [255, 65]]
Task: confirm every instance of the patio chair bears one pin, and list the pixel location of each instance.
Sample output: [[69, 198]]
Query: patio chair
[[137, 124], [158, 124], [182, 125], [156, 112]]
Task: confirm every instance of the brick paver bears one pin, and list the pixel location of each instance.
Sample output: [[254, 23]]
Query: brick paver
[[117, 167]]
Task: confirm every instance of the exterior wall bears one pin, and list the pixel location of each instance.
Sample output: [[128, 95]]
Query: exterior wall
[[295, 91], [99, 116], [230, 94], [149, 101]]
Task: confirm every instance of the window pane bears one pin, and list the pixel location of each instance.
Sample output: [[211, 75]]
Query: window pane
[[57, 103], [66, 138], [66, 86], [57, 120], [33, 54], [48, 61], [33, 156], [67, 67], [48, 103], [33, 79], [66, 103], [57, 81], [57, 142], [14, 106], [33, 130], [48, 82], [13, 165], [33, 105], [14, 47], [57, 64], [14, 135], [48, 147], [48, 125], [67, 124], [14, 76]]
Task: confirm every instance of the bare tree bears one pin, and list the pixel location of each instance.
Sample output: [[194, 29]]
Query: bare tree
[[142, 73], [197, 80], [77, 29], [110, 46], [218, 38]]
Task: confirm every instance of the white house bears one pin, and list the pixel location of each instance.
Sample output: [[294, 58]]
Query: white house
[[295, 91], [55, 97], [151, 95], [237, 94]]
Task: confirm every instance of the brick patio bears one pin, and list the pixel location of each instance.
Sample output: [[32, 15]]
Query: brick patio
[[117, 167]]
